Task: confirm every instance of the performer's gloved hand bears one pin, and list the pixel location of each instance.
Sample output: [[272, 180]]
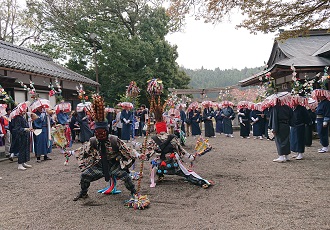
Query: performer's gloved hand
[[325, 124]]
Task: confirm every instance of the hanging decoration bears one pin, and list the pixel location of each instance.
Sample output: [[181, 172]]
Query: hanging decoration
[[81, 93], [324, 80], [132, 90], [301, 87], [7, 99]]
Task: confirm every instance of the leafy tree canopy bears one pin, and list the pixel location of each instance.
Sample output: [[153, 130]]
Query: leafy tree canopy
[[130, 42]]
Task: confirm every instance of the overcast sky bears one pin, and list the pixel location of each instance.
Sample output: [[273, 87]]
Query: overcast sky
[[220, 45]]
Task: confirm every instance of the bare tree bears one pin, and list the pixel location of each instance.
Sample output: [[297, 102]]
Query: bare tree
[[16, 26], [265, 16]]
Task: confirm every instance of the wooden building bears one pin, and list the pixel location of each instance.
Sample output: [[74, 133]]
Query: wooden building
[[309, 55], [22, 64]]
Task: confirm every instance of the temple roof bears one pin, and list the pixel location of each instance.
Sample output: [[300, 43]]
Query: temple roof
[[19, 58]]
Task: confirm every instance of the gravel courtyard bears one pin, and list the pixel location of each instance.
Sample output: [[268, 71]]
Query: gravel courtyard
[[251, 192]]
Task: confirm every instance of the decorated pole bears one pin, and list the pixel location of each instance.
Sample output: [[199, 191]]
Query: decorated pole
[[155, 88]]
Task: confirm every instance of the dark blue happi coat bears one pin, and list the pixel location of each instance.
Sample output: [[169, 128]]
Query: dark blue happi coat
[[297, 131], [42, 142], [228, 115], [244, 121], [218, 121], [208, 114], [323, 115], [258, 126], [281, 118], [85, 131], [126, 129], [195, 118], [20, 139]]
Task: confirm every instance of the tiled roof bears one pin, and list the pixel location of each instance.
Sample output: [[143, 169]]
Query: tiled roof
[[24, 59], [299, 51]]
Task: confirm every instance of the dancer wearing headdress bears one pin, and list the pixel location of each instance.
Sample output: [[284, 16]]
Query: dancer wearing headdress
[[257, 121], [281, 119], [195, 118], [297, 131], [218, 119], [126, 118], [228, 115], [119, 159], [83, 121], [42, 142], [322, 117], [169, 155], [244, 118], [208, 114], [21, 135], [309, 129]]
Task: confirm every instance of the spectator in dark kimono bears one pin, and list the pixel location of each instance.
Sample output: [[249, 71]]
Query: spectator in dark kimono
[[322, 117], [188, 123], [20, 136], [257, 121], [118, 124], [43, 142], [297, 131], [195, 118], [208, 114], [310, 128], [126, 118], [244, 119], [266, 113], [143, 118], [85, 130], [109, 117], [281, 118], [228, 115], [218, 120], [183, 118], [73, 125]]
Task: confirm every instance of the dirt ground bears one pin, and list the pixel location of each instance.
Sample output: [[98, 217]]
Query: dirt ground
[[251, 192]]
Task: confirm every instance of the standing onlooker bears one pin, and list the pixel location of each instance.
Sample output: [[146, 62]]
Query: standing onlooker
[[266, 113], [21, 136], [195, 118], [7, 130], [257, 121], [43, 142], [244, 119], [322, 117], [85, 130], [309, 129], [281, 118], [126, 118], [119, 124], [297, 131], [143, 118], [109, 117], [208, 114], [73, 125], [218, 120], [228, 115], [183, 118]]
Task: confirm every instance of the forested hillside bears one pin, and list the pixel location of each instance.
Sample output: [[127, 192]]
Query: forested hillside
[[204, 78]]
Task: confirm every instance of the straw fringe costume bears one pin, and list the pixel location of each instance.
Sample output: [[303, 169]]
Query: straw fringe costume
[[119, 158]]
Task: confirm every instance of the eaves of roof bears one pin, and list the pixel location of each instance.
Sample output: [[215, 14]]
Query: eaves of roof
[[18, 58]]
